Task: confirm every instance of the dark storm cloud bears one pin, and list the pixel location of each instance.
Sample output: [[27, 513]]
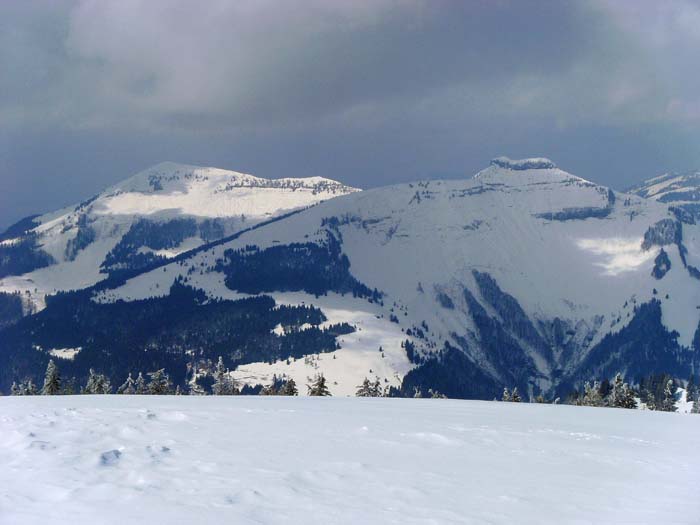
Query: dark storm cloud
[[256, 63], [367, 92]]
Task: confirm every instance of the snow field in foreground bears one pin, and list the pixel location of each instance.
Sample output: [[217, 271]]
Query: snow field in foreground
[[143, 459]]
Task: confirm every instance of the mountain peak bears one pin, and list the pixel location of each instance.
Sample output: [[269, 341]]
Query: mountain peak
[[515, 172], [169, 177], [533, 163]]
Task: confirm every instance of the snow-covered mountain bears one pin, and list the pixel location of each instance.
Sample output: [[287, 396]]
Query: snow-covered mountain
[[523, 275], [679, 190], [154, 215]]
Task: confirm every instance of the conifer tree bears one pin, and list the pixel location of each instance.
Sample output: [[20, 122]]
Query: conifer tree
[[691, 389], [69, 387], [223, 384], [290, 388], [668, 404], [196, 389], [648, 398], [515, 397], [15, 389], [52, 380], [621, 396], [376, 389], [219, 378], [318, 387], [97, 384], [506, 395], [22, 389], [106, 385], [434, 394], [365, 389], [613, 399], [140, 385], [30, 389], [128, 387], [159, 385], [627, 399], [591, 395], [91, 384]]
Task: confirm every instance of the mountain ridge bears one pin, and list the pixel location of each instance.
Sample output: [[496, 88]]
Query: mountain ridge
[[515, 276], [174, 207]]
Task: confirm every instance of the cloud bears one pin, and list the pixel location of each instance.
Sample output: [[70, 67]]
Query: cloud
[[261, 63], [258, 64], [371, 92]]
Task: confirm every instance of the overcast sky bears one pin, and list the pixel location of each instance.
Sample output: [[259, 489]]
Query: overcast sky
[[367, 92]]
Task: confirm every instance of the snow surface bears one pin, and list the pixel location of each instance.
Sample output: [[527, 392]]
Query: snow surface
[[65, 353], [358, 358], [669, 183], [269, 460]]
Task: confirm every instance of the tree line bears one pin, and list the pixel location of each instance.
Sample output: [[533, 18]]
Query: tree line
[[657, 392]]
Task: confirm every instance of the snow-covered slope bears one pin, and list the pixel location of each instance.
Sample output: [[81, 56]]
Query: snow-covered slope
[[521, 275], [280, 460], [680, 190], [665, 186], [167, 209], [522, 256]]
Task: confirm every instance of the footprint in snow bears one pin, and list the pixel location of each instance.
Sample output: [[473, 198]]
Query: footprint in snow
[[41, 445], [111, 457], [157, 453], [249, 496]]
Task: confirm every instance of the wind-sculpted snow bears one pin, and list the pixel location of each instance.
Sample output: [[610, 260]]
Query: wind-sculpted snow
[[135, 459]]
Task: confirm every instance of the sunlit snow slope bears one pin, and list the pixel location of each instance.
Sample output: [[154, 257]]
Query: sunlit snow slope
[[277, 460], [681, 191], [156, 214]]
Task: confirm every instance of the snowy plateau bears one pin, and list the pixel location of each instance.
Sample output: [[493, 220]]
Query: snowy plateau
[[278, 460]]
